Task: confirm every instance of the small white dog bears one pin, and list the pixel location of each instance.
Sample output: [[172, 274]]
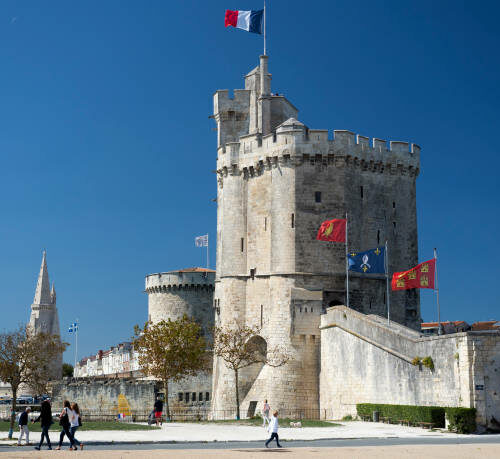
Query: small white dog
[[296, 424]]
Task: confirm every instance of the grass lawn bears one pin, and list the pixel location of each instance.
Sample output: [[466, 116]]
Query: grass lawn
[[91, 425], [283, 422]]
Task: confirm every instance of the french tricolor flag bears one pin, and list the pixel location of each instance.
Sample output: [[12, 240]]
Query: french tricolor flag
[[251, 21]]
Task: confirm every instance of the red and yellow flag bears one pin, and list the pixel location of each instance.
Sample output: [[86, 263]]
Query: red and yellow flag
[[421, 276], [332, 230]]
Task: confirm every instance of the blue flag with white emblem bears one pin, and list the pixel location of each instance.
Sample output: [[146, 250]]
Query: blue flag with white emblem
[[73, 328], [369, 262]]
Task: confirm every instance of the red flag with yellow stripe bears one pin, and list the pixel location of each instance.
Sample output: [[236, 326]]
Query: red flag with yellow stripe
[[332, 230], [421, 276]]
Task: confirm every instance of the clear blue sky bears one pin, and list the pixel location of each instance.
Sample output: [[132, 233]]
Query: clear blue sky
[[107, 150]]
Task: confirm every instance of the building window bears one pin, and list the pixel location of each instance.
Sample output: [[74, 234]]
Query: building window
[[378, 236], [181, 396], [293, 220], [317, 196], [193, 397], [252, 273], [242, 244], [393, 204], [305, 309], [361, 191], [207, 396], [261, 314], [394, 227], [265, 223], [312, 310], [200, 397], [186, 398]]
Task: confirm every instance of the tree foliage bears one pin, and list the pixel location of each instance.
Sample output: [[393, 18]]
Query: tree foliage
[[171, 350], [27, 358], [241, 346], [67, 370]]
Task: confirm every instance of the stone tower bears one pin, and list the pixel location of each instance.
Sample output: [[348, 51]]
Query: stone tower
[[278, 181], [44, 317], [187, 291]]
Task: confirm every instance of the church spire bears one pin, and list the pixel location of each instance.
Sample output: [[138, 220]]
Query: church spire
[[42, 293]]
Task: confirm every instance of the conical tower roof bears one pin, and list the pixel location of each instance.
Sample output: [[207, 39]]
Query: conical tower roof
[[42, 293]]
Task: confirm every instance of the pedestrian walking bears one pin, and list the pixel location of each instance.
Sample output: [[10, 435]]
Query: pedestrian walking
[[265, 413], [46, 421], [65, 419], [75, 423], [23, 426], [158, 407], [273, 429]]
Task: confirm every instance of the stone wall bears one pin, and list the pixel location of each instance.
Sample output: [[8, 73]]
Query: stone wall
[[366, 360], [99, 396]]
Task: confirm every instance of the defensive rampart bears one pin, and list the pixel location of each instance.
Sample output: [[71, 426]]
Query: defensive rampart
[[366, 360]]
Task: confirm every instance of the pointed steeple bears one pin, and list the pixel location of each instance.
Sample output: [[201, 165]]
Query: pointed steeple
[[42, 293]]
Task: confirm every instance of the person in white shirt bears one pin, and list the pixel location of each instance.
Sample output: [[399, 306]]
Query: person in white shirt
[[67, 415], [273, 429], [265, 413]]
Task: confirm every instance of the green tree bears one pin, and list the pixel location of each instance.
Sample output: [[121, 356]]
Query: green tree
[[67, 370], [27, 358], [241, 346], [171, 350]]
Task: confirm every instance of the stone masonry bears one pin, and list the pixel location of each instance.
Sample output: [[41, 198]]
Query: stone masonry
[[44, 317], [278, 181], [366, 360], [187, 291]]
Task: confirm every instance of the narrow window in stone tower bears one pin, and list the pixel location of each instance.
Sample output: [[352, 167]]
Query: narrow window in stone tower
[[361, 191], [200, 397], [293, 220], [193, 397], [393, 204], [317, 196], [252, 273], [394, 227], [261, 314], [265, 223], [207, 396], [181, 396], [242, 244], [378, 236]]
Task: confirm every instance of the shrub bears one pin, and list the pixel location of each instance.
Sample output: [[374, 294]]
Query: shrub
[[416, 361], [428, 362], [461, 420], [414, 414], [347, 418]]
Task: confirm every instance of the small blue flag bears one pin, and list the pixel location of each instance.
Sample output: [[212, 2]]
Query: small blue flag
[[73, 327], [369, 262]]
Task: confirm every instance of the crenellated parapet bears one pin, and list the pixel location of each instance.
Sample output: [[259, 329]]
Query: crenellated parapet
[[294, 145], [180, 280]]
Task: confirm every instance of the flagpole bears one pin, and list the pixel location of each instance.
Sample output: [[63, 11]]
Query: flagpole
[[436, 289], [208, 264], [387, 283], [264, 27], [346, 261], [76, 342]]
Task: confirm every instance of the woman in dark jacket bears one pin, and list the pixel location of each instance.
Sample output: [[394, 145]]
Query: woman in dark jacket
[[45, 419]]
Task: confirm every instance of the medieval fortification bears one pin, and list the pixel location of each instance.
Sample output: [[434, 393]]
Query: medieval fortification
[[277, 182]]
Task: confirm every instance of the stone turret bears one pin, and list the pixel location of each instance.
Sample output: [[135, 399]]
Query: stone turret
[[278, 180], [187, 291], [44, 317]]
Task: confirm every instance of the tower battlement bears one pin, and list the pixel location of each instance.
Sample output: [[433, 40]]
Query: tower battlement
[[295, 145]]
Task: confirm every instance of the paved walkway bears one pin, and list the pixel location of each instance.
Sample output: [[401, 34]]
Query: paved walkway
[[211, 432], [476, 451]]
